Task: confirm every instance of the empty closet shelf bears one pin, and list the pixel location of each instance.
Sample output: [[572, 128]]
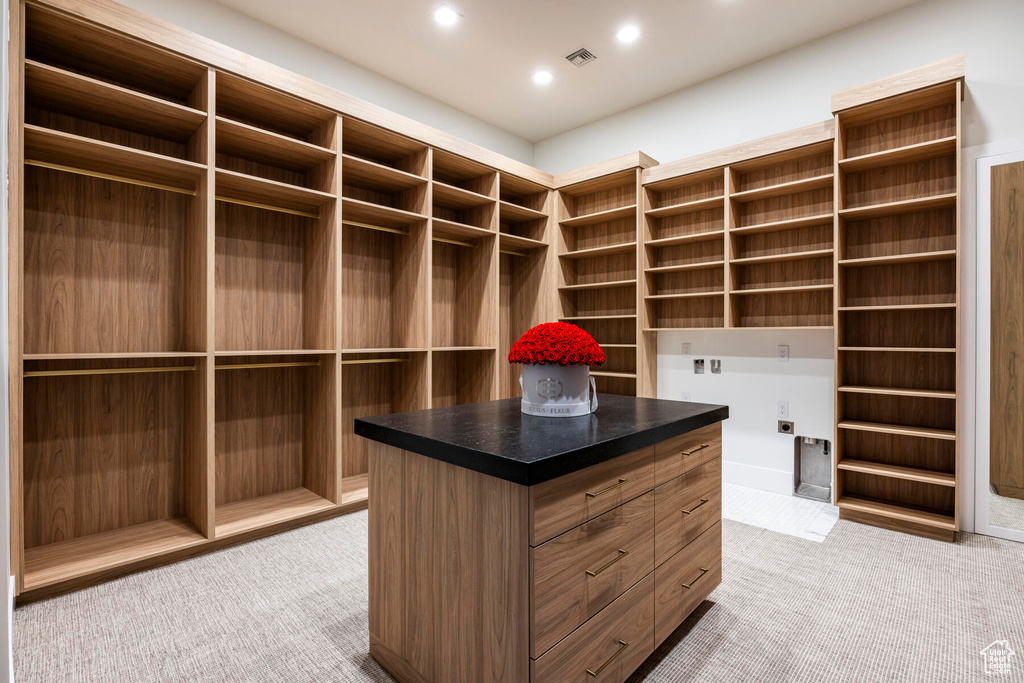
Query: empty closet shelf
[[779, 258], [782, 189], [896, 472], [900, 430], [516, 213], [614, 284], [685, 239], [783, 290], [371, 175], [898, 512], [687, 207], [683, 267], [358, 213], [249, 142], [256, 513], [942, 201], [457, 198], [788, 224], [923, 151], [921, 257], [248, 190], [600, 216], [896, 391], [600, 251]]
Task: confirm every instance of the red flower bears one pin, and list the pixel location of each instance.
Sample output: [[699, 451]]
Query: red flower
[[561, 343]]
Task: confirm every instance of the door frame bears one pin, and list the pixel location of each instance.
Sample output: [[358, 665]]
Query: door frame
[[995, 154]]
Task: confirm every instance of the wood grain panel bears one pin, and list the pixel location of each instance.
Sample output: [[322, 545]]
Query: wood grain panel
[[1006, 462], [465, 294], [685, 507], [683, 582], [934, 455], [459, 377], [103, 265], [580, 572], [680, 454]]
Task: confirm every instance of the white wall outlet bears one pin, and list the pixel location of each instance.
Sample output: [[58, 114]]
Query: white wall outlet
[[782, 410], [686, 348], [783, 356], [686, 395]]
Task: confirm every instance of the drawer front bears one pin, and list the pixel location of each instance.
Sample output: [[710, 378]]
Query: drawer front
[[579, 573], [683, 582], [609, 647], [685, 507], [680, 454], [561, 504]]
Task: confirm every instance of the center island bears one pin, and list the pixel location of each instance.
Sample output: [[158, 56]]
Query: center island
[[512, 547]]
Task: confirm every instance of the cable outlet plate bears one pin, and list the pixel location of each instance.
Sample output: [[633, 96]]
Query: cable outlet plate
[[786, 427]]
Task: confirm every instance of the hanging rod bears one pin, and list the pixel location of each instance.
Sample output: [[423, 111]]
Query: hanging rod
[[107, 176], [267, 207], [455, 242], [368, 361], [109, 371], [370, 226], [513, 253], [282, 364]]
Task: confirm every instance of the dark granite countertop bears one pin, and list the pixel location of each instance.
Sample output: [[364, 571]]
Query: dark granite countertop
[[496, 438]]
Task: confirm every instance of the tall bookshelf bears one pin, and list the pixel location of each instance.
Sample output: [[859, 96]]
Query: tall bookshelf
[[897, 231]]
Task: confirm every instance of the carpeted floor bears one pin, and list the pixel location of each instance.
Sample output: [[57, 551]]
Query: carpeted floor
[[1004, 511], [864, 605]]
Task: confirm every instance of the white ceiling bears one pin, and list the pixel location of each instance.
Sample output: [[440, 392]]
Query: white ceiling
[[482, 66]]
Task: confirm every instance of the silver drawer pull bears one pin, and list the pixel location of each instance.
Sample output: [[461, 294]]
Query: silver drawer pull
[[702, 501], [622, 646], [595, 572], [696, 450], [606, 489], [703, 571]]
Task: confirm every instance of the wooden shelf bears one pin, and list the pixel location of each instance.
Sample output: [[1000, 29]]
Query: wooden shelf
[[897, 472], [922, 151], [789, 224], [684, 267], [599, 217], [687, 295], [458, 198], [384, 349], [116, 355], [681, 329], [899, 430], [606, 250], [273, 352], [276, 508], [452, 349], [942, 201], [516, 213], [270, 194], [897, 307], [617, 346], [354, 489], [893, 391], [781, 258], [358, 211], [613, 284], [455, 230], [687, 207], [55, 89], [55, 563], [249, 142], [782, 290], [507, 241], [906, 514], [621, 375], [782, 189], [685, 239], [944, 255], [114, 162], [629, 316], [898, 349], [365, 173]]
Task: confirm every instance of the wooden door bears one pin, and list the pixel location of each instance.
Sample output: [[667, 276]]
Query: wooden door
[[1007, 411]]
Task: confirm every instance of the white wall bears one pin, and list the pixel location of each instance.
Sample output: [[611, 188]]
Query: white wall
[[794, 88], [225, 25], [751, 384]]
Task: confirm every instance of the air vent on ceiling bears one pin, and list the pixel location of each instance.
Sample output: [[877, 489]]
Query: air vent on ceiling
[[581, 57]]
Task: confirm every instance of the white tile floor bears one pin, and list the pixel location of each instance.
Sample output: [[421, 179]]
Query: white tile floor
[[790, 515]]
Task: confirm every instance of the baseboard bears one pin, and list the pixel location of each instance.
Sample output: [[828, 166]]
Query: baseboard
[[10, 629], [761, 478]]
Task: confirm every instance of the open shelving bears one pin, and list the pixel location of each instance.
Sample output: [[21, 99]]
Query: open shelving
[[897, 303], [597, 270]]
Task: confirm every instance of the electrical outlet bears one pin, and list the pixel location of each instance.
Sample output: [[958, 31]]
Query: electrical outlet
[[782, 410], [786, 427], [698, 366], [686, 395], [686, 348], [783, 356]]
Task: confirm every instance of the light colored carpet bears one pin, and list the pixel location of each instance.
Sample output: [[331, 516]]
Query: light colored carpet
[[1005, 512], [864, 605]]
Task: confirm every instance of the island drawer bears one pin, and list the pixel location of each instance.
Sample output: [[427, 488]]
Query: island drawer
[[685, 580], [579, 573], [566, 502], [609, 647], [682, 453], [685, 507]]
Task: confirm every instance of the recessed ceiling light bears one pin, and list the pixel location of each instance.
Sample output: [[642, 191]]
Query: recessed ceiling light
[[542, 77], [628, 34], [446, 16]]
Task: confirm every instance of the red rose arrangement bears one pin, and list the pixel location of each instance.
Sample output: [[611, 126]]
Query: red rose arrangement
[[561, 343]]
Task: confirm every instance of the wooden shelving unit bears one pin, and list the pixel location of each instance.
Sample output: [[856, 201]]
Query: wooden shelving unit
[[597, 238], [897, 307]]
